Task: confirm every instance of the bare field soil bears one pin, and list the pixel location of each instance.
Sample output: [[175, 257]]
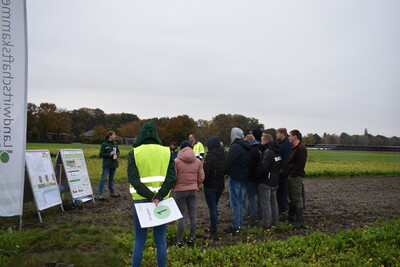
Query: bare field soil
[[332, 204]]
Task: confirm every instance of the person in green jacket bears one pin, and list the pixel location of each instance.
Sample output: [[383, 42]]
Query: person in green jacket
[[151, 174], [109, 151]]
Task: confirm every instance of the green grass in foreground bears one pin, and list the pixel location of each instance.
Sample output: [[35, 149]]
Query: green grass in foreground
[[319, 163], [377, 245]]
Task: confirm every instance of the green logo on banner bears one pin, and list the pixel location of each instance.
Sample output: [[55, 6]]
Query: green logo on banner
[[162, 212], [4, 157]]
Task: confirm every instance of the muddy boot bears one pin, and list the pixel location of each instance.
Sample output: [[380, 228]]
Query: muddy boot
[[299, 218], [291, 214]]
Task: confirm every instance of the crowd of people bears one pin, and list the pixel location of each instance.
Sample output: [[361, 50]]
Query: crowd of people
[[265, 180]]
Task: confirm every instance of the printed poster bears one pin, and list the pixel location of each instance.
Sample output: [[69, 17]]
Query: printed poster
[[42, 178], [76, 172]]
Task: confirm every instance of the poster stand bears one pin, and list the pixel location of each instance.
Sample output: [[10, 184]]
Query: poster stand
[[43, 189], [70, 168]]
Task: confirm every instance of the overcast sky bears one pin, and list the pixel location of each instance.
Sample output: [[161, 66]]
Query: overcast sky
[[318, 66]]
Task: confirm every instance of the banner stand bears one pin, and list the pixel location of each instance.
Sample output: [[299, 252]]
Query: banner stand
[[70, 168], [43, 187]]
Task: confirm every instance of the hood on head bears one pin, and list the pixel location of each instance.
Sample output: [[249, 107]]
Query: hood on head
[[213, 143], [147, 135], [187, 155], [236, 133]]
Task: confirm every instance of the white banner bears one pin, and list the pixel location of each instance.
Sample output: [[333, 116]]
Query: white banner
[[13, 106]]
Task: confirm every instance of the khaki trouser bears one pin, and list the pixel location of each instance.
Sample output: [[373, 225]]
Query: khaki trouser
[[294, 187]]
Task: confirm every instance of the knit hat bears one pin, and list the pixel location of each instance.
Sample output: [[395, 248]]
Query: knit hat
[[257, 134], [185, 144]]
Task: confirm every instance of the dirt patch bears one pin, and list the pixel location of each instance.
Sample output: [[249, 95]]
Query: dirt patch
[[332, 204]]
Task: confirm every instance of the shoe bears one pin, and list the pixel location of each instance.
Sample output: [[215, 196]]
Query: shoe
[[115, 195], [190, 242], [214, 235], [178, 244], [102, 198], [232, 230]]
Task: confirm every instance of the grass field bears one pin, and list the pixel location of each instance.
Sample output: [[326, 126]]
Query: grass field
[[319, 163]]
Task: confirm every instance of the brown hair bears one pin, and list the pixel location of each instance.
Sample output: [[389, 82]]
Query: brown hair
[[268, 137], [296, 133], [282, 131], [109, 133]]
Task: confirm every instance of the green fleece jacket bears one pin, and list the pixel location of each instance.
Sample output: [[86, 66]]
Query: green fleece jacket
[[105, 151], [148, 135]]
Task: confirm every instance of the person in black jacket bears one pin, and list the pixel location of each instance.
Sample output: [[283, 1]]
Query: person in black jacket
[[214, 182], [268, 178]]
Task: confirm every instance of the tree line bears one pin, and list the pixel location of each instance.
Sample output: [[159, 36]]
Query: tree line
[[48, 123]]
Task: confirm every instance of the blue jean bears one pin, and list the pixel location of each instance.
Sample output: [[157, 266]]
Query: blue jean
[[269, 204], [212, 196], [235, 195], [141, 236], [252, 197], [110, 173]]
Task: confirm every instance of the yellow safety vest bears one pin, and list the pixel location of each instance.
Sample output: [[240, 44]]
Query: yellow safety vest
[[197, 149], [152, 162]]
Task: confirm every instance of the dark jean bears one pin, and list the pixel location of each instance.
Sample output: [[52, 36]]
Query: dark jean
[[269, 204], [186, 202], [252, 197], [141, 236], [281, 194], [110, 173], [235, 195], [212, 196]]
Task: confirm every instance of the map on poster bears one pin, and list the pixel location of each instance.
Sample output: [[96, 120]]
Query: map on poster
[[76, 172], [42, 178], [149, 215]]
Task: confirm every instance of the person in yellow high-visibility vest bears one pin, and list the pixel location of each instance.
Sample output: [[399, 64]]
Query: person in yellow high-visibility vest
[[151, 173], [198, 147]]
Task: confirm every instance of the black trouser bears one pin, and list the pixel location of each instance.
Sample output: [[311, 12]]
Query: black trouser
[[281, 194]]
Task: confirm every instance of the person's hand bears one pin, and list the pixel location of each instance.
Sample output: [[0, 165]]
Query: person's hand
[[155, 201]]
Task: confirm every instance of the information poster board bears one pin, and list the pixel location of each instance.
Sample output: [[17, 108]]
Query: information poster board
[[75, 171], [42, 179]]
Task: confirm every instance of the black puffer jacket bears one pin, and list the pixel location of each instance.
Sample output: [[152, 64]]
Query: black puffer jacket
[[270, 163]]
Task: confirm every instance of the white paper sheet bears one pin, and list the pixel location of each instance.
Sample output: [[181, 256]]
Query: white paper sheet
[[149, 215]]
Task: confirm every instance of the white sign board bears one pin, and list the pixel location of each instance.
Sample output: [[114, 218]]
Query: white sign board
[[13, 107], [149, 215], [42, 178], [74, 165]]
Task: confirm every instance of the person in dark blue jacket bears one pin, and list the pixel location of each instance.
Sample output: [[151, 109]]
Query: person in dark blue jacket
[[237, 165], [281, 194]]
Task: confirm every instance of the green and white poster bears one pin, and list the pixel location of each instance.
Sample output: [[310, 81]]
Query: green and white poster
[[43, 179], [75, 171]]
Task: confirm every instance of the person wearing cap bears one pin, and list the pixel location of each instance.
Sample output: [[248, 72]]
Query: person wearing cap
[[237, 165], [189, 175], [197, 147], [295, 173], [151, 174]]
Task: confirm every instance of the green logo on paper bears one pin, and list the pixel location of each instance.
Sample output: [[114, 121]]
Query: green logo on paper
[[4, 157], [162, 212]]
